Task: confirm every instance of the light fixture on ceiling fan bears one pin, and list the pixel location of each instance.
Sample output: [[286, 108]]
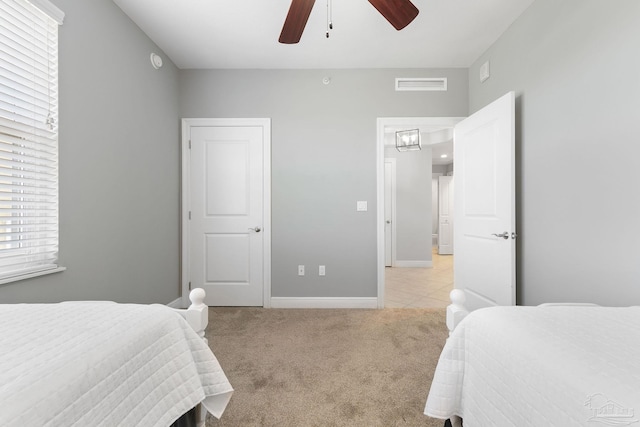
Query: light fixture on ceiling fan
[[399, 13]]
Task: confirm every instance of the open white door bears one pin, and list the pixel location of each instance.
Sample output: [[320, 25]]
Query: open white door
[[484, 214]]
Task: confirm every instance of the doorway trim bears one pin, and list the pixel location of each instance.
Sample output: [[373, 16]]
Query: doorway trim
[[392, 195], [185, 198], [382, 124]]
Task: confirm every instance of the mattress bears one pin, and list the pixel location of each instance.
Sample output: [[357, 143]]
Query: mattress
[[541, 366], [103, 364]]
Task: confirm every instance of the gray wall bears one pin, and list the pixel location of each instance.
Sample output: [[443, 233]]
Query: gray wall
[[575, 68], [119, 163], [413, 204], [323, 160], [441, 169]]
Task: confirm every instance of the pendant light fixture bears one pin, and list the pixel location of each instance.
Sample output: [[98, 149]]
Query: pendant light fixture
[[408, 140]]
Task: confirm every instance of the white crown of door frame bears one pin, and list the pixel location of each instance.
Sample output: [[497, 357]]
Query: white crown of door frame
[[187, 124], [395, 123]]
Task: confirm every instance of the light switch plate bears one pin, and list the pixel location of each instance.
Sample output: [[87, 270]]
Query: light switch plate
[[361, 205], [484, 72]]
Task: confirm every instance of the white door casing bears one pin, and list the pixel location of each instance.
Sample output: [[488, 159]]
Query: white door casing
[[484, 215], [434, 207], [384, 124], [445, 215], [390, 211], [226, 205]]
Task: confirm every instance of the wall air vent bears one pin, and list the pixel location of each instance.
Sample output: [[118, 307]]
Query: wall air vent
[[421, 83]]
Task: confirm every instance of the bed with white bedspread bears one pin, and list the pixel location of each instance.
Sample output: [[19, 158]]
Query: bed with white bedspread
[[104, 364], [540, 366]]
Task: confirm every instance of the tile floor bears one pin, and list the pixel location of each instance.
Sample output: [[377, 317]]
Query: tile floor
[[420, 287]]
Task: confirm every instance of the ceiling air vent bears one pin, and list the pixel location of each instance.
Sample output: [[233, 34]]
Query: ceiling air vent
[[421, 83]]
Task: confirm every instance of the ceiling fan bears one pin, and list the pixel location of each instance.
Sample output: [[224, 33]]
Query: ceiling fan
[[399, 13]]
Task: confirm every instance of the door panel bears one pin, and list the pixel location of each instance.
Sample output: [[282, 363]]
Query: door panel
[[479, 161], [227, 178], [226, 181], [484, 266], [227, 258]]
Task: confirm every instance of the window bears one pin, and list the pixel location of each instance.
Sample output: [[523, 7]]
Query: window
[[28, 138]]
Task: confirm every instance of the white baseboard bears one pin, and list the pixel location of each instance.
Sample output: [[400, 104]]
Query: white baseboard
[[176, 303], [292, 302], [413, 264]]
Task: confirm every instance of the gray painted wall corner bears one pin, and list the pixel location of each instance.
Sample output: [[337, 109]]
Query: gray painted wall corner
[[119, 163], [574, 68]]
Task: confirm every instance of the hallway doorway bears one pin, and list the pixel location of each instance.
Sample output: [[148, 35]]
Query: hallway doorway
[[420, 287]]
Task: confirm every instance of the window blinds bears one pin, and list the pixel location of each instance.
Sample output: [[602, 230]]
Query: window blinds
[[28, 137]]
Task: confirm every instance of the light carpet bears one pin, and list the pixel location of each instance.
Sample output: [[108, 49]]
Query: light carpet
[[329, 367]]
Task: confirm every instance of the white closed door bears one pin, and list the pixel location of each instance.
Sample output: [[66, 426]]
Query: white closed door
[[227, 224], [484, 214], [445, 215]]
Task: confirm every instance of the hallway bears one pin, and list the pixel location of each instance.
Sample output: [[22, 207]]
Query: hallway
[[420, 287]]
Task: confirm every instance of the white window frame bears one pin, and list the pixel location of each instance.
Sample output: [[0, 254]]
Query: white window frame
[[29, 223]]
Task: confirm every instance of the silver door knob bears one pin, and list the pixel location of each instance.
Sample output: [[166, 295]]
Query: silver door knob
[[256, 229], [504, 235]]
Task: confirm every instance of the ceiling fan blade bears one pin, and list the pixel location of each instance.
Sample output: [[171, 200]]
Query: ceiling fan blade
[[399, 13], [296, 20]]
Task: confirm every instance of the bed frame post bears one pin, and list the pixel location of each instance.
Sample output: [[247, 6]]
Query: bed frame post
[[456, 311], [456, 421], [197, 315]]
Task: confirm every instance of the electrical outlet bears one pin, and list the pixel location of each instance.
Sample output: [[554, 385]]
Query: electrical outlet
[[301, 270], [321, 270]]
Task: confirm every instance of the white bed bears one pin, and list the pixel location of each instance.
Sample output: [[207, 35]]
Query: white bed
[[106, 364], [555, 365]]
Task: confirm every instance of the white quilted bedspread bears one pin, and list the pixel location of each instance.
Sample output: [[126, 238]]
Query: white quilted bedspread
[[541, 366], [103, 364]]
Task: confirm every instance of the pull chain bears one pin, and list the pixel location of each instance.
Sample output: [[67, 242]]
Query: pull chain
[[329, 18]]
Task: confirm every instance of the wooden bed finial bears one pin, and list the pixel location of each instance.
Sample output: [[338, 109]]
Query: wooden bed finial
[[196, 296], [197, 315], [457, 297]]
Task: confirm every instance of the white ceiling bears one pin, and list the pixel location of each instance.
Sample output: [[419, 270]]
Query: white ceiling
[[244, 33], [206, 34]]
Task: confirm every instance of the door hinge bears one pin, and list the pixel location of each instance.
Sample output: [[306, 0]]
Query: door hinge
[[189, 285], [189, 214]]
